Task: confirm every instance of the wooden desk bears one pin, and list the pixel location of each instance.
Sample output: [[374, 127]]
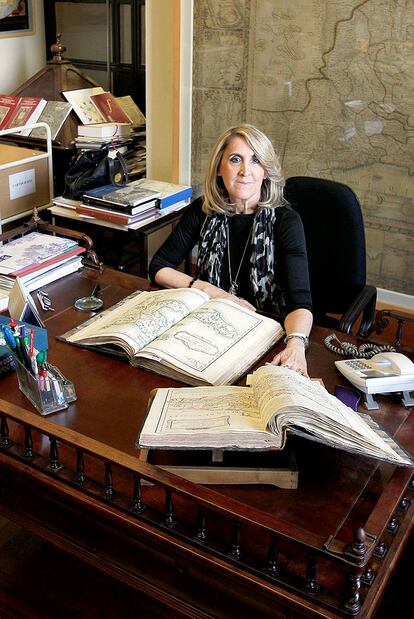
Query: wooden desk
[[74, 478]]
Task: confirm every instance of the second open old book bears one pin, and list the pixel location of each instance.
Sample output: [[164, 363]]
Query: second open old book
[[182, 334], [259, 417]]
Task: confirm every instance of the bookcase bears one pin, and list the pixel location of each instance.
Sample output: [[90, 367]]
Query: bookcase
[[26, 180]]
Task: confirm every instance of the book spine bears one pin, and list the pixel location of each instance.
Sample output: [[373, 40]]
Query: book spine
[[118, 208], [106, 215], [177, 197]]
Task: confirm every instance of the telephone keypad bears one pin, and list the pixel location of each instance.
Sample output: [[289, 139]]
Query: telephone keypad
[[358, 364]]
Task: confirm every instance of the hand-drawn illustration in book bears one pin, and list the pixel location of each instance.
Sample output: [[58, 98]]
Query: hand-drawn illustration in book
[[278, 401], [183, 334]]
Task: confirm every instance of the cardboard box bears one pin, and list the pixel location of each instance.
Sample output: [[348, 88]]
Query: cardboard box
[[23, 185]]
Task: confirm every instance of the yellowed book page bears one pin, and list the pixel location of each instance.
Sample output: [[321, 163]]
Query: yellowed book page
[[209, 417], [217, 342], [139, 319], [286, 398]]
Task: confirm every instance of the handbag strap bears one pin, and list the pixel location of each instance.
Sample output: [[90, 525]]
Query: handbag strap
[[117, 176]]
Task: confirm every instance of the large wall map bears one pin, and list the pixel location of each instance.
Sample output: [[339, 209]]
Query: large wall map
[[331, 83]]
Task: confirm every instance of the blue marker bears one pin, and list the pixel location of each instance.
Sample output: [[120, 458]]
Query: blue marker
[[9, 337]]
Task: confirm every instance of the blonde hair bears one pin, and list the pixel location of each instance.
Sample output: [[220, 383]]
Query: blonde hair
[[216, 198]]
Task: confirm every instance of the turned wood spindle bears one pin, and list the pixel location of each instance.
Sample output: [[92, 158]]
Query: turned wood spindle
[[169, 520], [28, 442], [4, 432], [358, 546], [235, 550], [353, 604], [54, 455], [109, 488], [138, 504], [272, 564], [80, 467], [311, 586], [201, 535]]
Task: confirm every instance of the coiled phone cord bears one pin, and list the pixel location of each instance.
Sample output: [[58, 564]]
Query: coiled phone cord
[[346, 349]]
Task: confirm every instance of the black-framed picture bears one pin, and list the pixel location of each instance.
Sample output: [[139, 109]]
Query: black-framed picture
[[16, 17]]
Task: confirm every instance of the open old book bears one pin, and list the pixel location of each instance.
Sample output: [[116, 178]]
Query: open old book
[[258, 417], [182, 334]]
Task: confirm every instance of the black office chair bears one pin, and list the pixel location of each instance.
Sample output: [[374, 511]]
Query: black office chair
[[335, 239]]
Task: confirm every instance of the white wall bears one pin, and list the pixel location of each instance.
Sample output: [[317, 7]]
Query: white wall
[[22, 56]]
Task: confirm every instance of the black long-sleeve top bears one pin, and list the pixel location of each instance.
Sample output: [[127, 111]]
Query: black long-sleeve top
[[291, 263]]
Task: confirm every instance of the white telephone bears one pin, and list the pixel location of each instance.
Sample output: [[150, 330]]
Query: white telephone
[[383, 373]]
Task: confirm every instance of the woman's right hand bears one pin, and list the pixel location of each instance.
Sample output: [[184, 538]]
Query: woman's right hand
[[214, 292]]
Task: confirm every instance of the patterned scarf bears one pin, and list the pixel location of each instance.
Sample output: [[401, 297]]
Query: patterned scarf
[[213, 243]]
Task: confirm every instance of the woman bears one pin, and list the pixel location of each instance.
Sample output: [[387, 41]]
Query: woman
[[251, 242]]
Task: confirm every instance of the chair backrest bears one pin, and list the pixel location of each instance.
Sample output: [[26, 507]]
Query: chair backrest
[[335, 239]]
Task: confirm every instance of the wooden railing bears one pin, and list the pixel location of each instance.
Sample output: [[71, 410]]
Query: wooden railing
[[218, 528]]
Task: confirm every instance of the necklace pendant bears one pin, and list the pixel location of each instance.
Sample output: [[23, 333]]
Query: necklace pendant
[[233, 288]]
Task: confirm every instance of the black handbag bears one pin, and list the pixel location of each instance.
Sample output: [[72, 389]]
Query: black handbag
[[94, 168]]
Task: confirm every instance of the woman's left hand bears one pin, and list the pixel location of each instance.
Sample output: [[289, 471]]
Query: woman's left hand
[[293, 357]]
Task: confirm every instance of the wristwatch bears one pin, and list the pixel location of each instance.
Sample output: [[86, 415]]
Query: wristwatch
[[300, 336]]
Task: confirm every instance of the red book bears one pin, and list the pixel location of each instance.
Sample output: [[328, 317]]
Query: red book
[[114, 217], [19, 111], [109, 108]]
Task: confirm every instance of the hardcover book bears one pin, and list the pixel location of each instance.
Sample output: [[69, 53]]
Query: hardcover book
[[19, 111], [32, 249], [82, 104], [96, 198], [132, 110], [104, 130], [278, 401], [183, 334], [118, 217], [130, 195], [170, 192], [109, 108], [54, 114]]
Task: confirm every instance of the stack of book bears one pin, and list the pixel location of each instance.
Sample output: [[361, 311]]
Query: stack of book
[[37, 259], [93, 136], [110, 120], [138, 201], [172, 194], [136, 161], [125, 205]]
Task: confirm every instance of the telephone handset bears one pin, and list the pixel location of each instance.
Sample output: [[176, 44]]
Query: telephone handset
[[394, 362], [384, 373]]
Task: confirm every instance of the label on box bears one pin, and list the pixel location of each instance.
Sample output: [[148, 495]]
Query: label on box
[[22, 184]]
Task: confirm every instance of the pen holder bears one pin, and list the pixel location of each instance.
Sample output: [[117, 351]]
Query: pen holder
[[47, 393]]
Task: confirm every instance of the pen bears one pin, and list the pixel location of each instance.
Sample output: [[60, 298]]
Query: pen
[[31, 351], [27, 362], [15, 346], [41, 359]]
